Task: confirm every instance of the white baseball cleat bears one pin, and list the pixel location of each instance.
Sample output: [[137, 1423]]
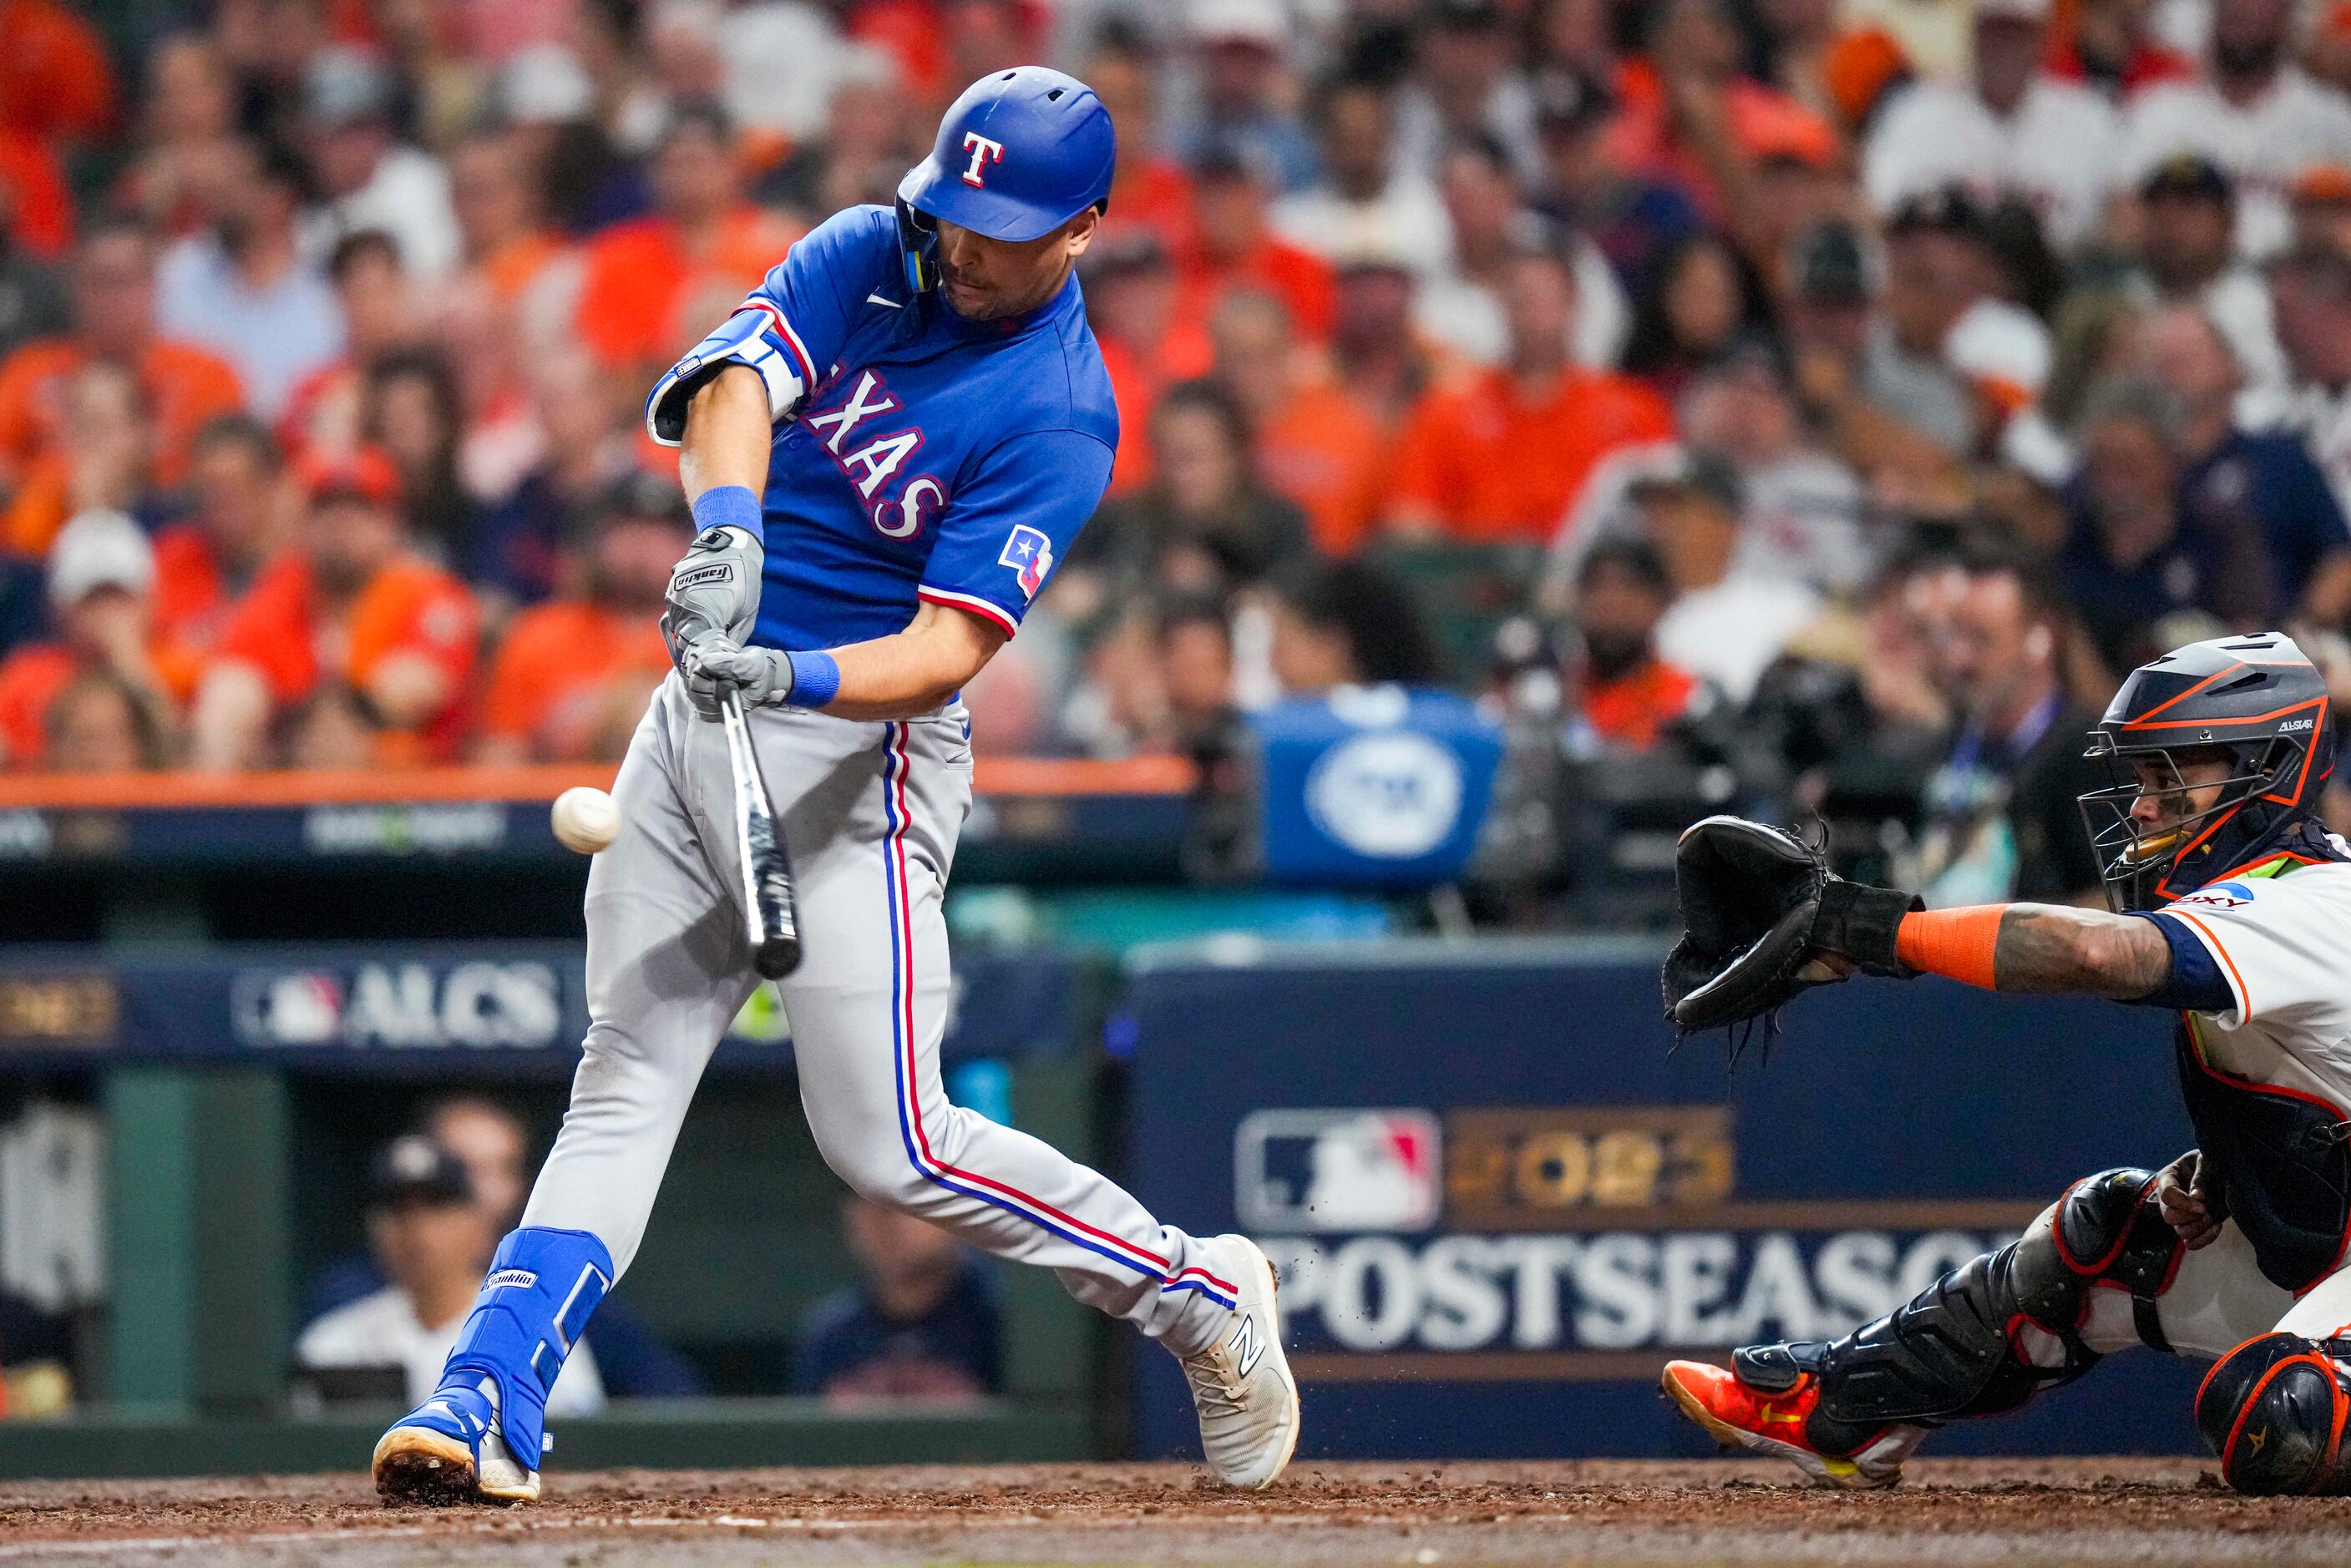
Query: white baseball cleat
[[449, 1451], [1241, 1385]]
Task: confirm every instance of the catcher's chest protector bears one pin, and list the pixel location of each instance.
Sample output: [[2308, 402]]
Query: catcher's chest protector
[[2285, 1171]]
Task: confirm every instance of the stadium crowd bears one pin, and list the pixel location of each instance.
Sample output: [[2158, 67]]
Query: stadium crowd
[[1834, 395]]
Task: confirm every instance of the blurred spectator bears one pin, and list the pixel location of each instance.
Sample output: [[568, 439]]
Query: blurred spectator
[[643, 276], [1631, 219], [1503, 455], [2113, 47], [431, 1237], [1801, 511], [366, 178], [1195, 662], [189, 113], [2252, 111], [1381, 361], [105, 464], [2189, 212], [1346, 623], [2001, 819], [409, 411], [1691, 118], [1202, 524], [606, 45], [114, 320], [865, 148], [2132, 565], [2322, 207], [1239, 250], [102, 595], [1150, 188], [97, 723], [335, 729], [1134, 302], [440, 55], [2015, 128], [1313, 441], [1461, 306], [32, 292], [1724, 624], [920, 1321], [1367, 199], [518, 556], [2311, 290], [243, 287], [1702, 297], [37, 213], [326, 416], [1462, 89], [243, 514], [353, 603], [784, 62], [1238, 47], [1937, 267], [1623, 690], [506, 238], [2228, 472], [478, 341], [572, 676]]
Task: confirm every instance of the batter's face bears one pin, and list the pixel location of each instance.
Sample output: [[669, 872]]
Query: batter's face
[[987, 280]]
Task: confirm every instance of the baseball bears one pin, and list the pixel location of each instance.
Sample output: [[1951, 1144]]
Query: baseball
[[586, 819]]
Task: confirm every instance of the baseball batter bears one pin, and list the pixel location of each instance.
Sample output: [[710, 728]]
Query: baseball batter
[[888, 446], [2234, 909]]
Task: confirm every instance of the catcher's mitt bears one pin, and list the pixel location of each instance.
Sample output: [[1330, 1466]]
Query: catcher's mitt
[[1756, 904]]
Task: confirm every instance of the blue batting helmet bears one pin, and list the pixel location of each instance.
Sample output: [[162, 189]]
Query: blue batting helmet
[[1020, 153]]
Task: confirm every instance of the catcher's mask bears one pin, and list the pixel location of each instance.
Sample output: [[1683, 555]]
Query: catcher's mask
[[2255, 703]]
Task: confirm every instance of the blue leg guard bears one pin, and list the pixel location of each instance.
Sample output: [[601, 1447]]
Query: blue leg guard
[[543, 1286]]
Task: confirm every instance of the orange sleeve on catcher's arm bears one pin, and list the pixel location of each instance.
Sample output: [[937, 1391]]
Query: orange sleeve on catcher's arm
[[1954, 942]]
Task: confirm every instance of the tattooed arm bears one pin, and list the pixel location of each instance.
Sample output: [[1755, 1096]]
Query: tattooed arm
[[2051, 948]]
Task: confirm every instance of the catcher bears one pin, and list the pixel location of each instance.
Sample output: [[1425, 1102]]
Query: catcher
[[2233, 907]]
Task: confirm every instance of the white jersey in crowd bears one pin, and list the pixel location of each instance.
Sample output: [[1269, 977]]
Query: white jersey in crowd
[[2061, 148], [2281, 942], [382, 1330], [2265, 145]]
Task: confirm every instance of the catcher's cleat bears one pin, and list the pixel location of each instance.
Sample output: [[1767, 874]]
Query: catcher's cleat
[[1740, 1416], [449, 1451], [1241, 1387]]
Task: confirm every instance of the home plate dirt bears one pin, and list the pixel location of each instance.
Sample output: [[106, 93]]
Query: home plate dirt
[[2151, 1513]]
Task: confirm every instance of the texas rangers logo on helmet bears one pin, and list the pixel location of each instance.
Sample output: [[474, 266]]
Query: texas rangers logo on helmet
[[983, 153], [1030, 555]]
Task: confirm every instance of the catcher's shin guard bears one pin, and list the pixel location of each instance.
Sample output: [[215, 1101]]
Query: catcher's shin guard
[[2274, 1410], [1967, 1346]]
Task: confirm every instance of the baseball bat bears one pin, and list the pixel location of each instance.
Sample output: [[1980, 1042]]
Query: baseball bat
[[772, 922]]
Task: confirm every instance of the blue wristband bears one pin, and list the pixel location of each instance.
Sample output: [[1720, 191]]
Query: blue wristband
[[816, 679], [728, 506]]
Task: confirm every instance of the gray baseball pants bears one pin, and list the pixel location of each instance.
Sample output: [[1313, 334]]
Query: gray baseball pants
[[869, 813]]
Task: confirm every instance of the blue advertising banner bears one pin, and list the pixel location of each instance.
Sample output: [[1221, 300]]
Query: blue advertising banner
[[1373, 786], [516, 1008], [1500, 1201]]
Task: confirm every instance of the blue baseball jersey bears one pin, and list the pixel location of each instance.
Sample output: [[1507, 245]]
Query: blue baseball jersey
[[918, 457]]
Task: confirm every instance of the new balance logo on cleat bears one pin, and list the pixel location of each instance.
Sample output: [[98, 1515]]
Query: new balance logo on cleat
[[1246, 1343]]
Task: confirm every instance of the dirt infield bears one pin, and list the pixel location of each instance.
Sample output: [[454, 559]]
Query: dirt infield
[[2043, 1514]]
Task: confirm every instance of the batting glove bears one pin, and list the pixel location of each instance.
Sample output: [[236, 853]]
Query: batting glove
[[714, 663], [718, 583]]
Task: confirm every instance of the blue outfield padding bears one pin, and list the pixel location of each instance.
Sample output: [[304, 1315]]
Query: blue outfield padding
[[1499, 1200]]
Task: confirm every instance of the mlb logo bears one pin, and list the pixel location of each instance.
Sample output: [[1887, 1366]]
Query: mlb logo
[[1030, 556], [1337, 1171]]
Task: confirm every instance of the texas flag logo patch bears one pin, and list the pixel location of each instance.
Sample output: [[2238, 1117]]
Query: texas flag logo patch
[[1030, 556]]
